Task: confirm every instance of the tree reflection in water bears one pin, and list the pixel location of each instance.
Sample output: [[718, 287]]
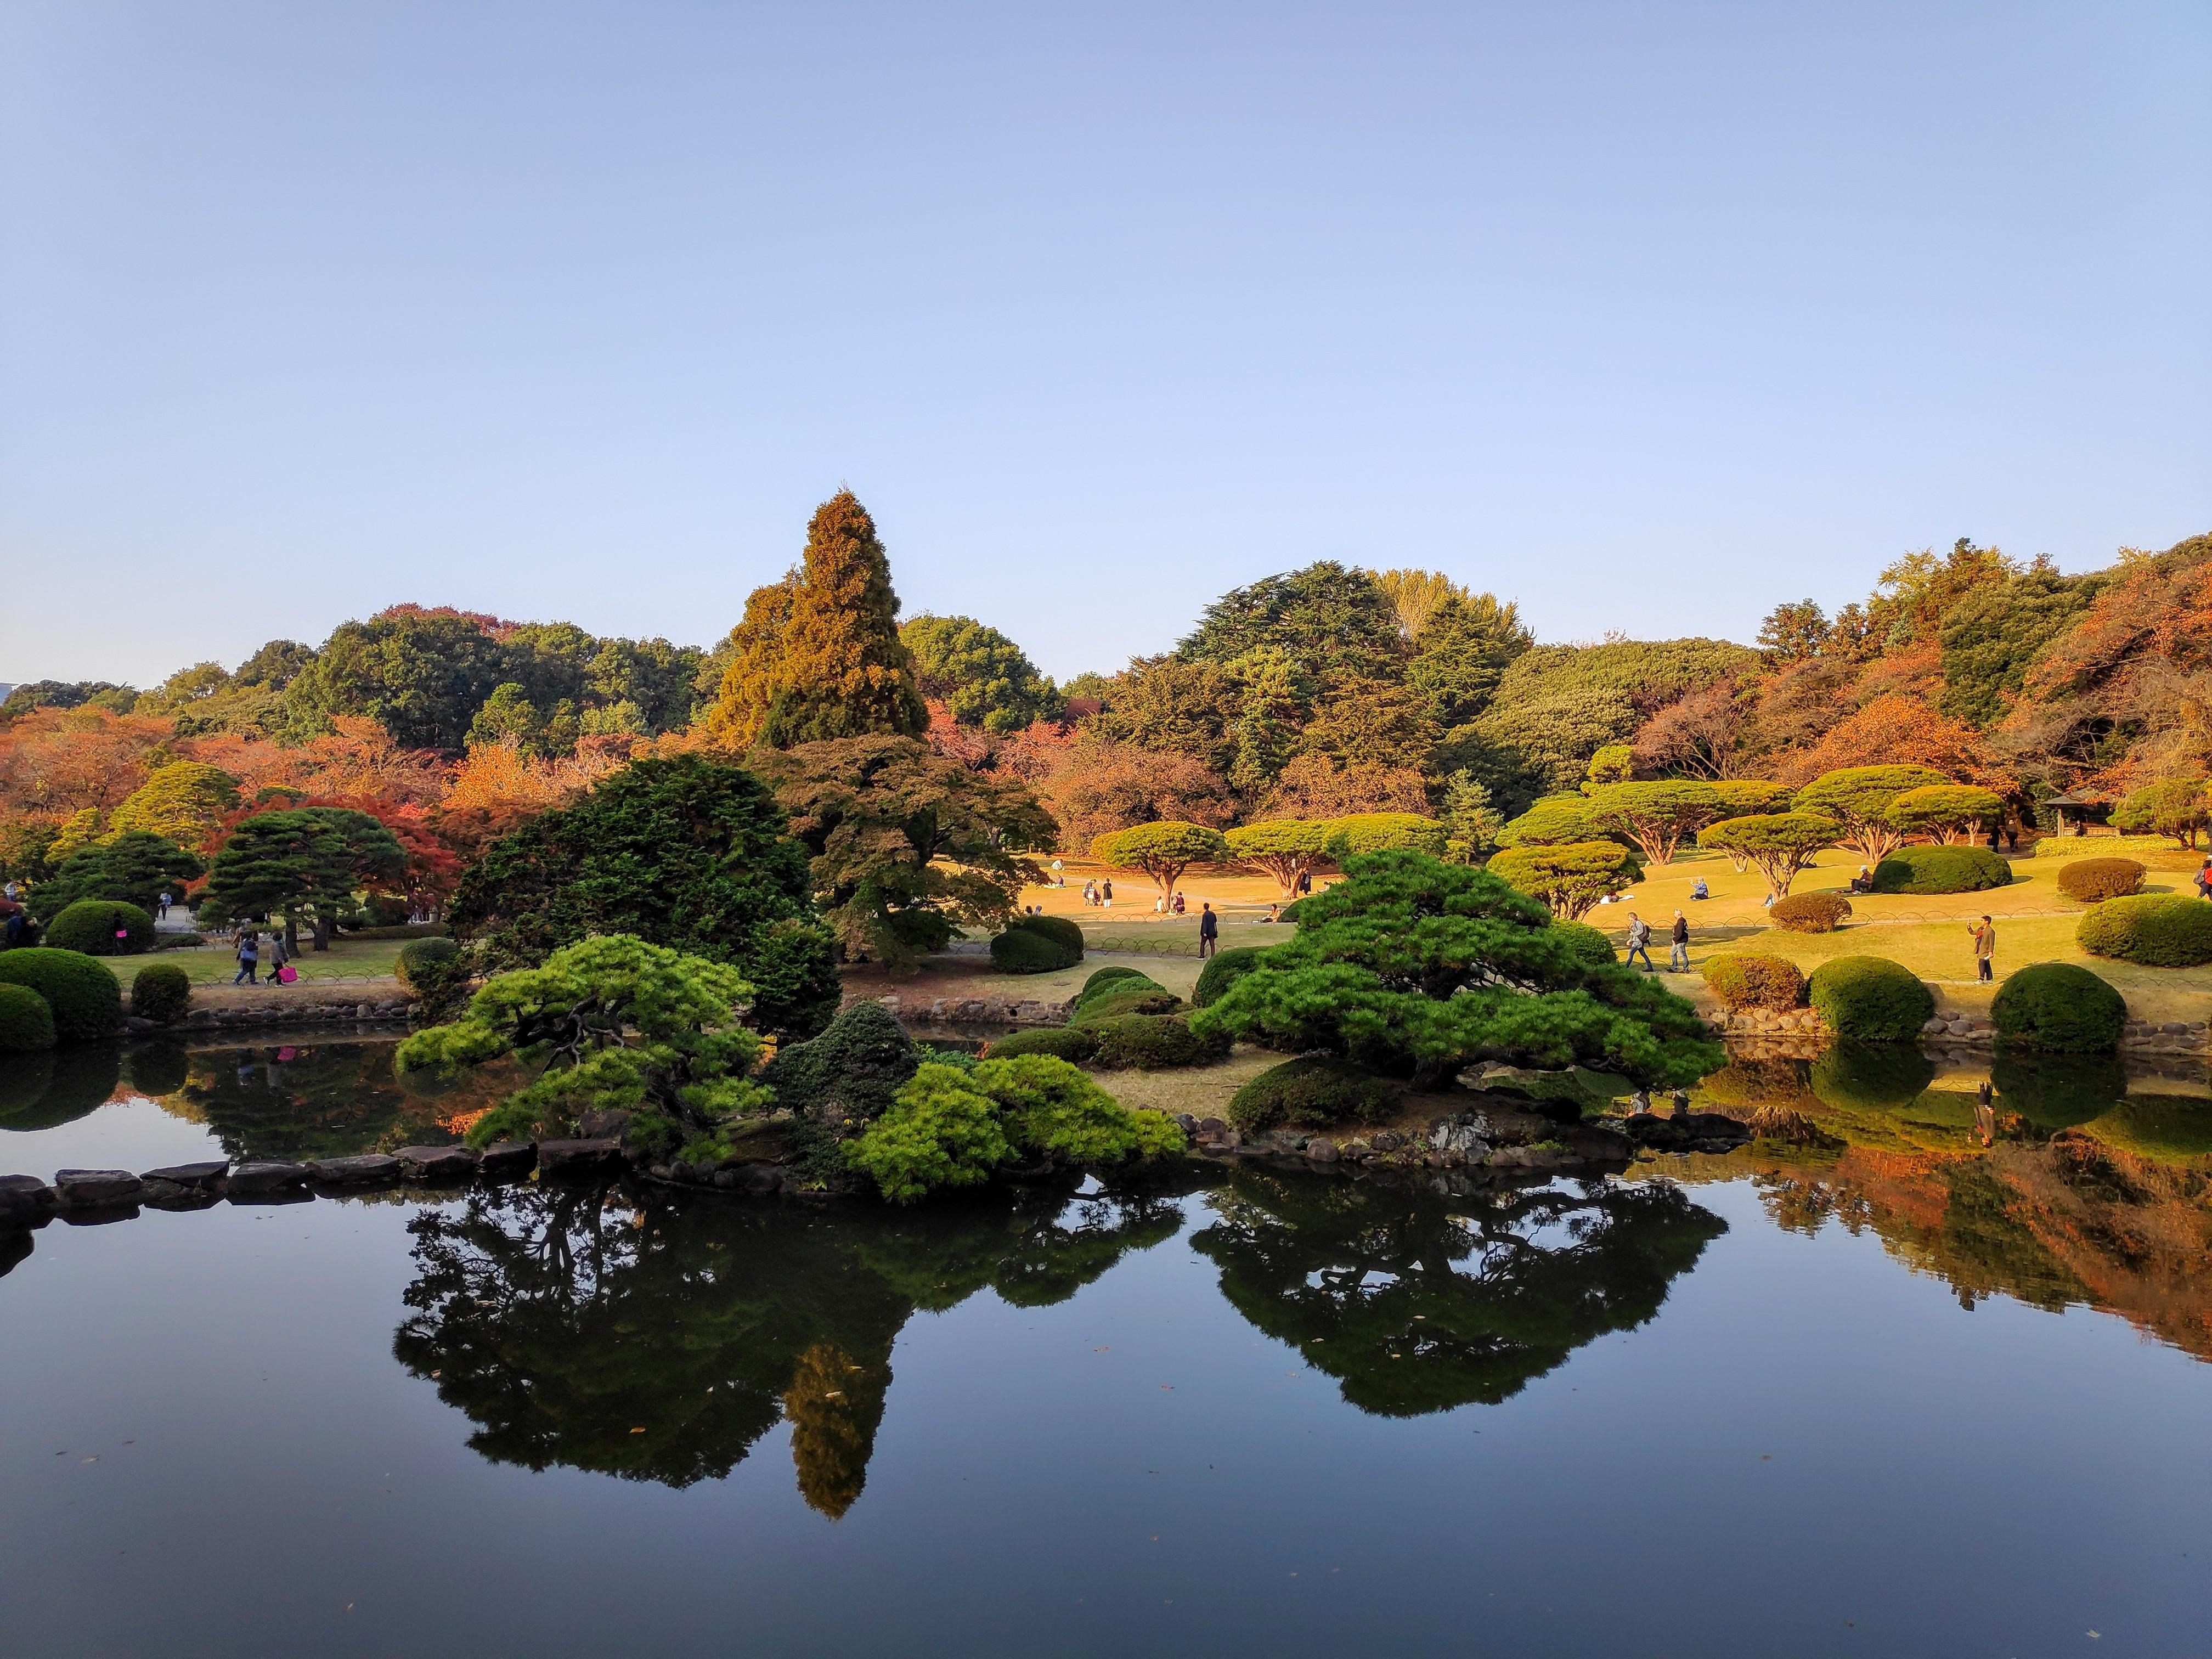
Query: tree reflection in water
[[661, 1343], [1418, 1302]]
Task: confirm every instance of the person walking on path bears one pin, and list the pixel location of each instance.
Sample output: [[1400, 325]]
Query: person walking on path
[[2204, 880], [1639, 942], [1985, 946], [1106, 893], [249, 957], [1678, 958], [162, 913], [278, 956], [1209, 930]]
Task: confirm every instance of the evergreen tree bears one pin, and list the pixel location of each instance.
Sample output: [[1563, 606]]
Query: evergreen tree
[[984, 678], [819, 658]]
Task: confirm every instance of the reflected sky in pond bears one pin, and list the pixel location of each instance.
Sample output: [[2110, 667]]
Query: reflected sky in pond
[[1853, 1389]]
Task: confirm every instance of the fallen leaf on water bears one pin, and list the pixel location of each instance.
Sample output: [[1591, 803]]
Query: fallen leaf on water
[[88, 1459], [637, 1430]]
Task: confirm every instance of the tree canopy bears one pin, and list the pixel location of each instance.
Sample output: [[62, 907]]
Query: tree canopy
[[1952, 813], [135, 867], [182, 802], [1858, 797], [982, 678], [1162, 851], [1570, 877], [1780, 844], [308, 863], [685, 852], [1423, 969]]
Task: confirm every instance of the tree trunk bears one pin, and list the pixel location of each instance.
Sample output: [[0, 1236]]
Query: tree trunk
[[322, 931], [291, 935]]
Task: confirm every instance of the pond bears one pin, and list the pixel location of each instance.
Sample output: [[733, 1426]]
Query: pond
[[1877, 1391]]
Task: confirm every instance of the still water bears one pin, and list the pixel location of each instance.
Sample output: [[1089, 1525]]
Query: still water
[[1882, 1392]]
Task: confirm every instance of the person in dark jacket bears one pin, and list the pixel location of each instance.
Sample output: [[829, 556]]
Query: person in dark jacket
[[1209, 930], [1678, 958]]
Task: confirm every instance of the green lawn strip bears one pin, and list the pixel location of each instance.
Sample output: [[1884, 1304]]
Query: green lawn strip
[[217, 964]]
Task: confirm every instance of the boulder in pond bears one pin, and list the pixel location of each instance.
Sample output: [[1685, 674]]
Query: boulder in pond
[[267, 1179], [25, 1202], [87, 1189], [573, 1160], [507, 1160], [435, 1163], [208, 1177], [368, 1169]]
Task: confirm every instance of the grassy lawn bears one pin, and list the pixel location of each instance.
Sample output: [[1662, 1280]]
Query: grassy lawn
[[1927, 934], [216, 964]]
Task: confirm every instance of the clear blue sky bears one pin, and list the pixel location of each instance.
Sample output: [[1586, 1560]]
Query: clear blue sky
[[1646, 316]]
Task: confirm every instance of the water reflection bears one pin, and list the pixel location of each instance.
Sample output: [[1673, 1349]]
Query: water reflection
[[46, 1090], [294, 1101], [660, 1343], [1417, 1301]]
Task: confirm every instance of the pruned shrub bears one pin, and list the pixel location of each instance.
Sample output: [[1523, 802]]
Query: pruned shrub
[[1312, 1093], [86, 1000], [940, 1131], [1107, 977], [26, 1024], [858, 1063], [921, 929], [1940, 870], [1126, 997], [1223, 969], [1590, 945], [2158, 930], [1072, 1043], [1756, 982], [1870, 998], [1049, 1106], [102, 928], [421, 957], [1151, 1042], [2092, 881], [1037, 944], [160, 992], [2060, 1007], [1809, 913]]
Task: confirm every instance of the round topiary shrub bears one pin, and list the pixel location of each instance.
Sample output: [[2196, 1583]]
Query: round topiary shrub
[[1072, 1043], [2092, 881], [86, 1000], [1125, 997], [1588, 944], [1037, 944], [1106, 976], [921, 929], [101, 928], [160, 992], [1809, 913], [1223, 969], [1151, 1042], [1869, 1076], [2060, 1007], [418, 955], [2158, 930], [1870, 998], [1312, 1093], [1756, 982], [1940, 870], [26, 1024]]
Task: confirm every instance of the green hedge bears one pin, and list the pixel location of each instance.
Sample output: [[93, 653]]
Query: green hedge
[[1128, 996], [26, 1024], [86, 999], [1106, 976], [160, 992], [1223, 969], [1809, 913], [101, 928], [1151, 1042], [1870, 998], [1072, 1043], [2158, 930], [859, 1061], [417, 955], [1940, 870], [1591, 945], [1751, 981], [1313, 1094], [1037, 944], [2060, 1007], [2092, 881]]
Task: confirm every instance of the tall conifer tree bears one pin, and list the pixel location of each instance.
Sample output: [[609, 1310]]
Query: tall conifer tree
[[820, 659]]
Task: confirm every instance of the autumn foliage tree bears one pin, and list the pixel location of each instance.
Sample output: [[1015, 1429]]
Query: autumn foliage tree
[[819, 657]]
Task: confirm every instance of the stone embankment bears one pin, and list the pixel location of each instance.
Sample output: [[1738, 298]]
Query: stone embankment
[[1487, 1138], [976, 1011], [384, 1008], [1956, 1027], [91, 1197]]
